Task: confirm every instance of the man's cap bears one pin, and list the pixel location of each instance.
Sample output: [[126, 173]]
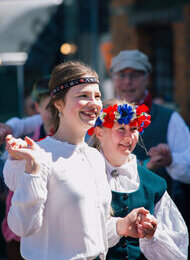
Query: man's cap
[[133, 59]]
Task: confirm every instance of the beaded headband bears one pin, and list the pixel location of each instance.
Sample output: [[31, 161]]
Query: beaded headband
[[72, 83], [123, 114]]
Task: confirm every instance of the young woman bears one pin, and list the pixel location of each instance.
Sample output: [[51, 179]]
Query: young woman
[[116, 134], [61, 202]]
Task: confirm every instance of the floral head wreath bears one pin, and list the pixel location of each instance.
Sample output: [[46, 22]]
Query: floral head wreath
[[123, 114]]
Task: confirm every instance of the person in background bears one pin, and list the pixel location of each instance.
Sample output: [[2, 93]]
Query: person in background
[[29, 106], [61, 202], [167, 139], [36, 126], [41, 96], [116, 133]]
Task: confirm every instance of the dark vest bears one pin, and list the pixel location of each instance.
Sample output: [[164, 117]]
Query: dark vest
[[151, 189], [154, 134]]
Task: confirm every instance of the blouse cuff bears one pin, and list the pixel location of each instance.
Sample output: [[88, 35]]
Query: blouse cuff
[[113, 236]]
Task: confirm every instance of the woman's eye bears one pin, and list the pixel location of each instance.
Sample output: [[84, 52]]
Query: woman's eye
[[97, 96], [134, 129]]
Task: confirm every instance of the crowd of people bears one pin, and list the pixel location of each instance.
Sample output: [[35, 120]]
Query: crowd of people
[[121, 195]]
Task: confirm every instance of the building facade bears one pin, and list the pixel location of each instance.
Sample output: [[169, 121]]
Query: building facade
[[161, 29]]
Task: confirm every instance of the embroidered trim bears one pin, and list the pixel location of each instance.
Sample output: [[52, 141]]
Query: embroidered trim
[[89, 80]]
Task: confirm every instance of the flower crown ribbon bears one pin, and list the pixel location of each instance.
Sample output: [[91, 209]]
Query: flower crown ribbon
[[123, 114]]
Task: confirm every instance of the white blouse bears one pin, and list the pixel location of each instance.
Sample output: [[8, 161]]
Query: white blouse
[[170, 240], [63, 211]]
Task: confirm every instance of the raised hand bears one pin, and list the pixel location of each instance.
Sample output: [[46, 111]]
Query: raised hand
[[25, 150], [160, 156], [14, 143]]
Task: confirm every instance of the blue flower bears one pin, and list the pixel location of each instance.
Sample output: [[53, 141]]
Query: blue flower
[[98, 122], [126, 113]]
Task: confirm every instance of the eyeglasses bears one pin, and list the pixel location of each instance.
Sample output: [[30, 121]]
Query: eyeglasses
[[131, 76]]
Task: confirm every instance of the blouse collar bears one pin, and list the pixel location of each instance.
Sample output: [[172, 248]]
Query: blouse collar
[[126, 178]]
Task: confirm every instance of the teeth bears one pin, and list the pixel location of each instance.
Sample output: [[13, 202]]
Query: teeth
[[89, 113], [127, 145]]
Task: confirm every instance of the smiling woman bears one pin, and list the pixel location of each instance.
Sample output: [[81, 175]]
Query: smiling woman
[[61, 202], [116, 134]]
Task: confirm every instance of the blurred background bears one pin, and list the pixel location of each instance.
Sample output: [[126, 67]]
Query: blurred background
[[35, 35]]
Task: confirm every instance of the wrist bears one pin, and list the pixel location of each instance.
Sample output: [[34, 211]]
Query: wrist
[[121, 227], [31, 167]]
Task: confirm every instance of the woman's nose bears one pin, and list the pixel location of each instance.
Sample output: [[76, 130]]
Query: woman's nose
[[127, 139], [127, 134], [95, 103]]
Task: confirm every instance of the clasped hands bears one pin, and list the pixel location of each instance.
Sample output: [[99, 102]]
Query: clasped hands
[[139, 223]]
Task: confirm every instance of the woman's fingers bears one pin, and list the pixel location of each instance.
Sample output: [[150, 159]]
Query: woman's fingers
[[31, 143], [16, 143]]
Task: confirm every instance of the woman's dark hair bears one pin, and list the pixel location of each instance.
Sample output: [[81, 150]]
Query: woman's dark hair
[[63, 73]]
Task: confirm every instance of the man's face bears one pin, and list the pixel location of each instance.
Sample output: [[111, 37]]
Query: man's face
[[130, 84]]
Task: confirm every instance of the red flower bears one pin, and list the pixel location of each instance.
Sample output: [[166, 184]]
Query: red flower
[[90, 131], [142, 108], [134, 123], [110, 116]]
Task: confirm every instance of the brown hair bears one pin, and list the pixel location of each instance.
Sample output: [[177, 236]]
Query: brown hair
[[63, 73]]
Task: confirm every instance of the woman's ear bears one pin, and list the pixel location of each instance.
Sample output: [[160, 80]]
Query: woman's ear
[[59, 105], [98, 132]]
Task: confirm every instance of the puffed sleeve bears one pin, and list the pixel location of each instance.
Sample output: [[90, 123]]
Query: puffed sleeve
[[25, 216], [178, 137], [171, 237], [12, 172]]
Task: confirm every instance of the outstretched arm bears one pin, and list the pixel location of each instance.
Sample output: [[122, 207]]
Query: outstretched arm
[[24, 126]]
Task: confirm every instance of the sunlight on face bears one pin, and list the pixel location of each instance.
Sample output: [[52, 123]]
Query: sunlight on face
[[118, 143], [82, 106]]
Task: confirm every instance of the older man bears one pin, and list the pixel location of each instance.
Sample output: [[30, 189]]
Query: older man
[[165, 145]]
